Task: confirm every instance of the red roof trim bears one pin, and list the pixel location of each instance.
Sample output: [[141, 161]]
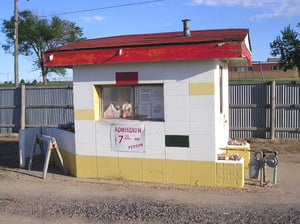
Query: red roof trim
[[140, 54], [225, 43], [246, 53]]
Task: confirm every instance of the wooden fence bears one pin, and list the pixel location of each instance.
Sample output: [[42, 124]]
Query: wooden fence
[[25, 107], [257, 109], [264, 109]]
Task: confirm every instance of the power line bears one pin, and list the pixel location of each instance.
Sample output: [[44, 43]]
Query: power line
[[107, 7], [102, 8]]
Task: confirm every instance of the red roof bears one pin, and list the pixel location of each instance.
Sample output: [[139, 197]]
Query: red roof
[[202, 44], [197, 36]]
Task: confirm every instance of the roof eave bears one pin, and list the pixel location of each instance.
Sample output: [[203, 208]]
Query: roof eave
[[185, 51]]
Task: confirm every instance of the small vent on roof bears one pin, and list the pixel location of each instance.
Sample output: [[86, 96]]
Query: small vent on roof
[[186, 27]]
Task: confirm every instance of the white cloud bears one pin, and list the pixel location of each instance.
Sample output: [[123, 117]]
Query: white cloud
[[270, 8], [90, 19], [244, 3]]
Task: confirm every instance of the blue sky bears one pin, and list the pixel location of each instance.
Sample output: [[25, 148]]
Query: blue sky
[[100, 18]]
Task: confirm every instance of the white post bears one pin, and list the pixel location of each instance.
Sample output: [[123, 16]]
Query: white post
[[273, 109], [23, 107]]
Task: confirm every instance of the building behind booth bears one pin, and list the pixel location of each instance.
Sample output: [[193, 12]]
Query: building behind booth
[[261, 70]]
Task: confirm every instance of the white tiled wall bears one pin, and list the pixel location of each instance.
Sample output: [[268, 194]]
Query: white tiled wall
[[202, 102], [85, 138], [176, 95], [83, 96], [176, 115], [177, 128], [103, 140], [202, 115], [178, 153], [92, 74], [202, 147], [194, 116], [202, 128], [179, 88], [203, 71]]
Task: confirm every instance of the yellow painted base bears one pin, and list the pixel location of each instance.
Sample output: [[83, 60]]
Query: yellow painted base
[[230, 175], [69, 161], [199, 173]]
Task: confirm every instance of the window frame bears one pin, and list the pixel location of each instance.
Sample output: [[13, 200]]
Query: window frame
[[277, 68], [133, 88], [242, 69]]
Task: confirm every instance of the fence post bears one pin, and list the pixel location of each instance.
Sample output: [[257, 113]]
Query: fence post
[[23, 106], [273, 109]]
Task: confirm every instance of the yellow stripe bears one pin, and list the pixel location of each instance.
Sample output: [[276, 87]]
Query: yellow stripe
[[230, 175], [153, 170], [130, 169], [84, 114], [198, 173], [108, 167], [86, 166], [203, 173], [178, 172], [97, 102], [205, 88]]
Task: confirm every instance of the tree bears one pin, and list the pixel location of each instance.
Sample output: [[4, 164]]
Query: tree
[[37, 35], [287, 45]]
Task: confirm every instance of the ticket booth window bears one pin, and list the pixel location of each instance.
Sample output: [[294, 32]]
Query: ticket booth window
[[140, 102]]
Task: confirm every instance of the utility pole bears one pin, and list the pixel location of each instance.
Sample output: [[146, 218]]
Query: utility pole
[[16, 44]]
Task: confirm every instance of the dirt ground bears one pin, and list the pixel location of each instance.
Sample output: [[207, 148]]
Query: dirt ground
[[26, 198]]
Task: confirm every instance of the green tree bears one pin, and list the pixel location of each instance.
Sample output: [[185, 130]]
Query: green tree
[[287, 46], [37, 35]]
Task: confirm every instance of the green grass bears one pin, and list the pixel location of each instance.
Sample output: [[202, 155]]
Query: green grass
[[268, 79], [54, 83]]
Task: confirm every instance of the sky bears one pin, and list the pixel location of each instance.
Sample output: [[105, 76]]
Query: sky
[[101, 18]]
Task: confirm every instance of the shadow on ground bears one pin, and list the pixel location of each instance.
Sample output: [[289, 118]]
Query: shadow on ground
[[9, 158], [9, 154]]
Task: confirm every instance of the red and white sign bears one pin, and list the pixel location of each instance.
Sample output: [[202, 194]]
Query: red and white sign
[[127, 137]]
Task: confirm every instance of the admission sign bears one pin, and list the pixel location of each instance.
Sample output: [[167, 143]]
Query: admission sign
[[127, 137]]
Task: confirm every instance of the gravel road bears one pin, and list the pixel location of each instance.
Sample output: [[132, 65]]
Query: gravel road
[[26, 198], [139, 210]]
